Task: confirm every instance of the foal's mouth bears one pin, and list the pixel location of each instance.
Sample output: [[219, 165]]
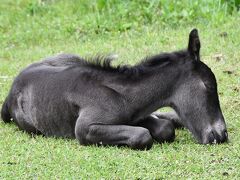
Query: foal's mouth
[[214, 137], [210, 135]]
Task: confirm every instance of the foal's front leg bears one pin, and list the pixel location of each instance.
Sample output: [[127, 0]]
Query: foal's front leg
[[162, 130], [90, 129]]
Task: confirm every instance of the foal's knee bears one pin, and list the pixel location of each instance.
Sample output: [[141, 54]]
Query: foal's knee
[[141, 140], [81, 133], [166, 133]]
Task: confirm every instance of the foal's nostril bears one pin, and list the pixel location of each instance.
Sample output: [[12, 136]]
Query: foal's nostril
[[224, 137], [211, 138], [226, 134]]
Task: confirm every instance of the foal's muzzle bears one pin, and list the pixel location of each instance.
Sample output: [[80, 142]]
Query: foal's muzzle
[[214, 137]]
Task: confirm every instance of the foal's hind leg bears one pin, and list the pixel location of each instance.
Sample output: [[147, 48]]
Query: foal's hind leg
[[25, 126], [89, 130], [162, 130], [24, 122], [170, 116]]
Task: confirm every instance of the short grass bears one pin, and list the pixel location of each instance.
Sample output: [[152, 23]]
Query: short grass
[[29, 32]]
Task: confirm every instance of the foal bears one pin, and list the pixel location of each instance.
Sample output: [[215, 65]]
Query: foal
[[67, 96]]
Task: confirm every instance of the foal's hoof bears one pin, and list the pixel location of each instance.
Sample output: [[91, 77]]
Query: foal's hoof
[[166, 133], [143, 141]]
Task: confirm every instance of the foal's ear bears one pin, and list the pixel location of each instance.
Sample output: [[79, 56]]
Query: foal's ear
[[194, 45]]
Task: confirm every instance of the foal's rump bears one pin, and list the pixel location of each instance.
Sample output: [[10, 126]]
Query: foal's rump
[[37, 100], [5, 114]]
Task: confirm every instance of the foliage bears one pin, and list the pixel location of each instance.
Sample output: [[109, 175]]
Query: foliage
[[101, 16], [117, 15]]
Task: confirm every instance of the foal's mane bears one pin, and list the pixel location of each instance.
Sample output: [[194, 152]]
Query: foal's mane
[[146, 65], [104, 63]]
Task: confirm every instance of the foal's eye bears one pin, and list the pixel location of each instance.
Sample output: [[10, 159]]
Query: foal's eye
[[207, 86], [210, 87]]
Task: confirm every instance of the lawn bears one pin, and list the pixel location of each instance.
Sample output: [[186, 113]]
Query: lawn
[[31, 30]]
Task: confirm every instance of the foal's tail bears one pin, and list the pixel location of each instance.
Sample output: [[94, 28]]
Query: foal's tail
[[5, 114]]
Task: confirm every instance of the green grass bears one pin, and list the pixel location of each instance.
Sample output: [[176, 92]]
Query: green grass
[[31, 30]]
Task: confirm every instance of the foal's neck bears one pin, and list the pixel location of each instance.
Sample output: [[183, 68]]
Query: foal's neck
[[152, 91]]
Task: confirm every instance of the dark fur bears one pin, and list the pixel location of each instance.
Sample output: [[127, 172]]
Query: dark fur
[[97, 103], [5, 114]]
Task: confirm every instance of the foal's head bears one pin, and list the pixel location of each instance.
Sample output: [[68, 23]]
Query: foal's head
[[196, 98]]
